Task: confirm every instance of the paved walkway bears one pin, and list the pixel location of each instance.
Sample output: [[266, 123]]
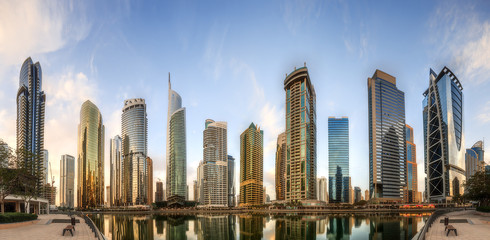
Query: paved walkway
[[478, 227], [45, 230]]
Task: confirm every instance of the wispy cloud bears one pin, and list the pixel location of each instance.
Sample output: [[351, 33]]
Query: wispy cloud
[[213, 56], [297, 13], [484, 115]]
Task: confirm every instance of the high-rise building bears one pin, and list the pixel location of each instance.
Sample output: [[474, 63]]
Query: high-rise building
[[338, 159], [149, 163], [231, 181], [251, 166], [196, 199], [31, 102], [474, 159], [300, 136], [281, 167], [213, 171], [357, 194], [351, 193], [366, 195], [67, 181], [90, 190], [321, 191], [45, 158], [410, 191], [107, 196], [134, 135], [159, 192], [387, 174], [176, 145], [444, 136], [116, 174]]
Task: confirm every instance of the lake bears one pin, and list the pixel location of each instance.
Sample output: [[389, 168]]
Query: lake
[[245, 226]]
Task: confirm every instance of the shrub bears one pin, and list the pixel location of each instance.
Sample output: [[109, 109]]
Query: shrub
[[483, 209], [17, 217]]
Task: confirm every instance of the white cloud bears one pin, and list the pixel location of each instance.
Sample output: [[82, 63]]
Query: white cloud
[[484, 115], [297, 13]]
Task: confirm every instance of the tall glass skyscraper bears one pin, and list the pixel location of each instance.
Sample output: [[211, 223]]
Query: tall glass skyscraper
[[386, 138], [300, 136], [411, 191], [31, 102], [176, 146], [90, 191], [338, 159], [116, 173], [444, 136], [281, 167], [252, 166], [67, 181], [231, 181], [134, 131], [475, 159]]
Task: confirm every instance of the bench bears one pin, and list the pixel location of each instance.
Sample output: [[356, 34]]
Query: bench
[[451, 228], [70, 228]]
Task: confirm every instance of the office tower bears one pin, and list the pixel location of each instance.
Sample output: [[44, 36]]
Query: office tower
[[475, 159], [231, 181], [149, 162], [187, 193], [444, 136], [90, 190], [31, 102], [300, 136], [196, 199], [107, 196], [116, 174], [159, 192], [387, 173], [410, 191], [134, 135], [176, 145], [281, 167], [213, 170], [338, 159], [45, 159], [351, 193], [366, 195], [67, 181], [321, 191], [357, 194], [251, 166]]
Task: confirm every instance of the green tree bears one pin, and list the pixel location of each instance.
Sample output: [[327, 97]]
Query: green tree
[[478, 188], [8, 177]]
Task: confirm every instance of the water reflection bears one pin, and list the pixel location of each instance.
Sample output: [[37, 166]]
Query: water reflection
[[251, 227]]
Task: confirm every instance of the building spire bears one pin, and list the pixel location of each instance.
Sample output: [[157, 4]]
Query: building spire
[[169, 85]]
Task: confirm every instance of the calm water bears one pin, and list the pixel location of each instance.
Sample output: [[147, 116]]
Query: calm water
[[242, 226]]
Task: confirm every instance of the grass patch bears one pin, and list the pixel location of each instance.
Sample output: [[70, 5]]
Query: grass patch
[[16, 217]]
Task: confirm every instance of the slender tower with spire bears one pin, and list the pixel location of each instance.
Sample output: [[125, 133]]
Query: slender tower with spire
[[176, 145]]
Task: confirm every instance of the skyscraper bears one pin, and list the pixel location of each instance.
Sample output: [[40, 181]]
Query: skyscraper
[[474, 159], [386, 138], [31, 102], [116, 172], [67, 181], [176, 145], [45, 158], [281, 167], [444, 136], [213, 171], [196, 199], [231, 181], [251, 166], [134, 131], [322, 189], [90, 190], [411, 190], [159, 192], [357, 194], [338, 159], [300, 136], [149, 162]]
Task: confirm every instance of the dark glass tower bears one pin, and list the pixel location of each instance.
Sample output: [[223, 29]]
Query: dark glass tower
[[31, 102], [387, 171], [338, 159]]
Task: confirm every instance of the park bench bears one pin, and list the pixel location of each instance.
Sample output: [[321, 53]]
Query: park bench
[[451, 228], [70, 228]]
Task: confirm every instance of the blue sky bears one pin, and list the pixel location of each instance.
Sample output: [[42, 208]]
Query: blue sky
[[228, 61]]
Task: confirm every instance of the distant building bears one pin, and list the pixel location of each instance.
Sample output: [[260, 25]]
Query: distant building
[[252, 191], [45, 157], [281, 167], [366, 195], [322, 189], [475, 159], [108, 196], [411, 189], [196, 191], [159, 192], [351, 193], [116, 173], [338, 160], [357, 194], [149, 162], [67, 181], [231, 181]]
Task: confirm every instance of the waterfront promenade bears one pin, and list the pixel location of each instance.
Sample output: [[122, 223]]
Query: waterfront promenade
[[46, 229], [469, 224]]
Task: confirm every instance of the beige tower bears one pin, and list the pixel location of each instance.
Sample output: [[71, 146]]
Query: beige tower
[[251, 166]]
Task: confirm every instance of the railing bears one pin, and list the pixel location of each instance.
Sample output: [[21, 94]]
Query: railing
[[421, 234], [92, 226]]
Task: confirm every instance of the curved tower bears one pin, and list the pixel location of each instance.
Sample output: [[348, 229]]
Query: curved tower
[[90, 190], [31, 102], [444, 136], [134, 135], [176, 146]]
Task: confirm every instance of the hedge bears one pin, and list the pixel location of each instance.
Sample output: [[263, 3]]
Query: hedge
[[16, 217], [483, 209]]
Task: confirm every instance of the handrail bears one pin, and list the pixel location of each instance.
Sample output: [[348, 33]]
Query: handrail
[[92, 226], [421, 234]]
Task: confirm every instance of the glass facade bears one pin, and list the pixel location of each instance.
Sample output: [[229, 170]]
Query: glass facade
[[231, 181], [475, 159], [411, 190], [134, 135], [251, 166], [338, 159], [387, 145], [281, 167], [176, 146], [90, 190], [67, 181], [444, 136], [300, 136], [31, 102], [116, 172]]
